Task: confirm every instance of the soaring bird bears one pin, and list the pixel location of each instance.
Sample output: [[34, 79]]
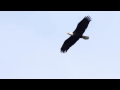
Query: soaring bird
[[76, 34]]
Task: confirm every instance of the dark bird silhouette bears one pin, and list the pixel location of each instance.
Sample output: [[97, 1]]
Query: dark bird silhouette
[[77, 34]]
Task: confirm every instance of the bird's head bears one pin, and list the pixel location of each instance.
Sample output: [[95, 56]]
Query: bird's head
[[70, 33]]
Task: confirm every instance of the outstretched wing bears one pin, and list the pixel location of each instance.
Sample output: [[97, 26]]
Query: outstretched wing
[[82, 25], [68, 43]]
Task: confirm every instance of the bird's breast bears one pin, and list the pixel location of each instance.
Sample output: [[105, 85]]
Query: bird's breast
[[77, 35]]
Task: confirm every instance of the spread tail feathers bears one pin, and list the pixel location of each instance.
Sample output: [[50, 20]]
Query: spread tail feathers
[[85, 37]]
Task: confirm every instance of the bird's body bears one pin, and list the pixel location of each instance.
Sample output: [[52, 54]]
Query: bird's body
[[77, 34]]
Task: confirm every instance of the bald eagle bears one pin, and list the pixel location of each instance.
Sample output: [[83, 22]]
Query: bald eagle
[[77, 34]]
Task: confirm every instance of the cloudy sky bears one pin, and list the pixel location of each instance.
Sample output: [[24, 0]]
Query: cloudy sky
[[30, 43]]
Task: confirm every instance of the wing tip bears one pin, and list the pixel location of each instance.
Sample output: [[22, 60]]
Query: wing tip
[[88, 18], [63, 51]]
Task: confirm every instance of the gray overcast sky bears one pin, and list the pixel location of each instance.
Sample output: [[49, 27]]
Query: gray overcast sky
[[30, 43]]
